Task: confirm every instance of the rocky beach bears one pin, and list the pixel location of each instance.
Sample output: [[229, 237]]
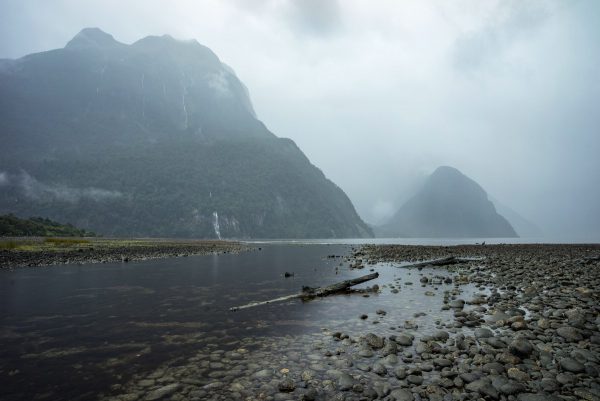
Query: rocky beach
[[498, 322], [528, 331]]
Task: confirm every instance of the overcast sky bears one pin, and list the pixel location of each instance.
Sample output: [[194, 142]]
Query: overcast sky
[[380, 93]]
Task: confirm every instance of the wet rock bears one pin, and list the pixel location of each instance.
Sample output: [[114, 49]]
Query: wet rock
[[441, 335], [286, 385], [482, 332], [483, 387], [457, 304], [307, 375], [570, 334], [365, 352], [442, 363], [518, 375], [496, 342], [401, 394], [414, 379], [163, 392], [310, 395], [537, 397], [511, 387], [572, 365], [549, 385], [400, 373], [263, 374], [379, 369], [390, 348], [345, 382], [520, 347], [374, 341], [404, 340]]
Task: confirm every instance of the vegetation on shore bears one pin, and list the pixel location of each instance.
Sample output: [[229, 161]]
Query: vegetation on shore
[[13, 226], [39, 251]]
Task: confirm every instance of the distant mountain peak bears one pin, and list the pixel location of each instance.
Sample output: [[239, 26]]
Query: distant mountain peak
[[449, 204], [92, 37], [448, 170]]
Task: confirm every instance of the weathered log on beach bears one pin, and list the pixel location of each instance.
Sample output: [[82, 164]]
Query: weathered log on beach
[[451, 260], [436, 262], [309, 293]]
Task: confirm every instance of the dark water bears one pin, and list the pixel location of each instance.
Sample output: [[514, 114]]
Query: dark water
[[71, 332]]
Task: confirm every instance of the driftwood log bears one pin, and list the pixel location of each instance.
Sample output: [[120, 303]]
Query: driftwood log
[[309, 293], [451, 260]]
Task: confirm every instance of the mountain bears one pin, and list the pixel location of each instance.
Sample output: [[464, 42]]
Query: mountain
[[448, 205], [158, 138], [12, 226], [524, 227]]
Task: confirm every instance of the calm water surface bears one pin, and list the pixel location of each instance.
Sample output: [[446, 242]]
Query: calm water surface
[[70, 332]]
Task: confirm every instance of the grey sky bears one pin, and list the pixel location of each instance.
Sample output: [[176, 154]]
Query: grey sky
[[379, 93]]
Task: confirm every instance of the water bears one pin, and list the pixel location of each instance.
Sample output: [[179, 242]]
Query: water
[[71, 332], [434, 241]]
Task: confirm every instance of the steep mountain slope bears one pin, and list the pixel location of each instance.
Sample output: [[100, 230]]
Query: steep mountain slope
[[523, 227], [157, 138], [448, 205]]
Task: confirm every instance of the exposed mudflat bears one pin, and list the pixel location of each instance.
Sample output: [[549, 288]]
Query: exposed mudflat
[[30, 252]]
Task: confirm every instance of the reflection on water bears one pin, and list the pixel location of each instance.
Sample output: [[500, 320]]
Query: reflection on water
[[73, 332]]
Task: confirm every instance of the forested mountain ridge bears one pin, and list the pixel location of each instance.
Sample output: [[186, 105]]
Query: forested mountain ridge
[[157, 138]]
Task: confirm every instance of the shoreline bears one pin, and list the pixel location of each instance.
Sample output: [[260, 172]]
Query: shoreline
[[530, 332], [511, 323], [41, 251]]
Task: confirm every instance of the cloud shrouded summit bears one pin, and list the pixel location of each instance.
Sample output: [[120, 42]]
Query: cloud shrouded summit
[[379, 94], [155, 138]]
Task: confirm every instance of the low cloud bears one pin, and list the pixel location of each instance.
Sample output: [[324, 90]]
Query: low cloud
[[36, 190], [219, 83], [3, 179], [315, 17]]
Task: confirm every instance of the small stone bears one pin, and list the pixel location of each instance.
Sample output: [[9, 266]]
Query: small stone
[[374, 341], [570, 334], [379, 369], [286, 385], [572, 365], [441, 335], [401, 394], [457, 304], [400, 373], [518, 375], [482, 332], [310, 395], [442, 363], [404, 340], [520, 347], [345, 382], [162, 392], [414, 379]]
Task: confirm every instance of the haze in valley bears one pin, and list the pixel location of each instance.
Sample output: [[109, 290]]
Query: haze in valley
[[379, 94]]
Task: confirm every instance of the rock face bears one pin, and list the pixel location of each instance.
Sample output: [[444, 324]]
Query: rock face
[[448, 205], [156, 138]]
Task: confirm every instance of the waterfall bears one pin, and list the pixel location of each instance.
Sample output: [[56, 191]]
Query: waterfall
[[216, 224]]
